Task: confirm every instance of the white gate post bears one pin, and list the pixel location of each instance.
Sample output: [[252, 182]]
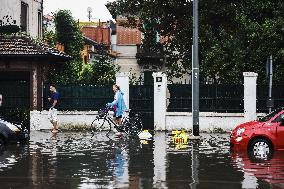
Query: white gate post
[[250, 95], [160, 100], [122, 79]]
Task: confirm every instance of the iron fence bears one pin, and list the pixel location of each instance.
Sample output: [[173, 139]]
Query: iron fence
[[80, 96], [262, 97], [222, 98], [213, 98]]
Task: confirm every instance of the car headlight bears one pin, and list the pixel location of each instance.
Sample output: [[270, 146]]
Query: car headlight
[[239, 139], [12, 127], [240, 131]]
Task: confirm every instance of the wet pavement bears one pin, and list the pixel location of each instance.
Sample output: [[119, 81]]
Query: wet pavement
[[78, 160]]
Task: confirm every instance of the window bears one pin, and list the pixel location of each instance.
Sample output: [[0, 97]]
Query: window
[[279, 118], [85, 59], [269, 116], [24, 17], [39, 18]]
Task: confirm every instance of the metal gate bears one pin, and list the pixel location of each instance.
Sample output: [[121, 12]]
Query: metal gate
[[141, 99], [15, 92]]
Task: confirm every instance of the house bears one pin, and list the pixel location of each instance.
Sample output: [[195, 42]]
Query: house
[[24, 61], [95, 35], [125, 45], [98, 33], [131, 57], [89, 53]]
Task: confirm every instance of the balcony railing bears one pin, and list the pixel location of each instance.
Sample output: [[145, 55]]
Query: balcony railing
[[150, 51]]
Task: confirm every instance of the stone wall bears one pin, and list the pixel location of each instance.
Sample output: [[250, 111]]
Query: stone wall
[[209, 121]]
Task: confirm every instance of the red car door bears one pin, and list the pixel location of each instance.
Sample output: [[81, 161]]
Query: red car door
[[278, 123]]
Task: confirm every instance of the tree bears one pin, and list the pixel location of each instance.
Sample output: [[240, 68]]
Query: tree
[[70, 36], [101, 70], [68, 33], [49, 38], [234, 36]]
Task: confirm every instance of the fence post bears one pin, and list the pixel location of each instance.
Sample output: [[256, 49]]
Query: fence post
[[160, 100], [122, 79], [250, 95]]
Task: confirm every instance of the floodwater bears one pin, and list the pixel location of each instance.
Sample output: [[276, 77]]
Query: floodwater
[[78, 160]]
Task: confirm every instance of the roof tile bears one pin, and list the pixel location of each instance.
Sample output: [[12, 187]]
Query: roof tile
[[24, 45]]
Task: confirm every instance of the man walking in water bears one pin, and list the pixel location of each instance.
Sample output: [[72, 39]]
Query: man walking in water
[[52, 114]]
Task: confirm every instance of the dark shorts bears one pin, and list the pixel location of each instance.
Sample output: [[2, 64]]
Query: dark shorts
[[117, 117]]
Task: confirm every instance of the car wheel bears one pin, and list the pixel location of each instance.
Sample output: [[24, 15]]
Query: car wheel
[[260, 149]]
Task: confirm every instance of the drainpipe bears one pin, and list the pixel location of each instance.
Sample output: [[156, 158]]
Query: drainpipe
[[42, 32], [270, 101]]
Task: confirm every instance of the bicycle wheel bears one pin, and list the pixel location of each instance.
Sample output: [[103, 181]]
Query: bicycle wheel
[[136, 125], [125, 127], [99, 124]]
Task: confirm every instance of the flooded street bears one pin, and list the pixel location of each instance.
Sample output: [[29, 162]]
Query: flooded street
[[78, 160]]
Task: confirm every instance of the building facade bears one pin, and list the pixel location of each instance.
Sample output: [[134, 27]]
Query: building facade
[[26, 14]]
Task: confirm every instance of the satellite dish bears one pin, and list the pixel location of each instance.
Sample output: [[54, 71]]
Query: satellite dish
[[89, 9]]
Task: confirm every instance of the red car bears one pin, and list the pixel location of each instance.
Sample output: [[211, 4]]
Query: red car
[[260, 137]]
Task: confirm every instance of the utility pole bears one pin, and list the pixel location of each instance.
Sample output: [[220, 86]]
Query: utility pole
[[195, 72], [270, 101]]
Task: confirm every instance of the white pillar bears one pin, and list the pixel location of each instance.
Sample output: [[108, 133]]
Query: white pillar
[[250, 95], [160, 99], [122, 79]]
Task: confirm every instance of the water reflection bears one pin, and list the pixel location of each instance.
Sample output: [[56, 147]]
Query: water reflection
[[141, 164], [257, 170], [78, 160]]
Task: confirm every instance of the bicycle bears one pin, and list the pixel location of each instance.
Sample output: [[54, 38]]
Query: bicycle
[[131, 125]]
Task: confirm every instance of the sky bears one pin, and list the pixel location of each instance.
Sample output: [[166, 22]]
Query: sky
[[78, 8]]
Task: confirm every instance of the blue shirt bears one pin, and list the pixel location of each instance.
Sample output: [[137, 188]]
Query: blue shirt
[[54, 96]]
